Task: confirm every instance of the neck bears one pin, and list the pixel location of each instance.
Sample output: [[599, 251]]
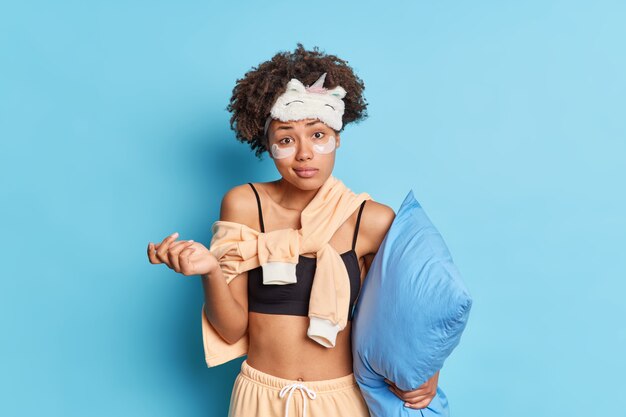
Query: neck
[[291, 197]]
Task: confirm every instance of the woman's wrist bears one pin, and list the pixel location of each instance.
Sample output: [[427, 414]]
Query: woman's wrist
[[211, 273]]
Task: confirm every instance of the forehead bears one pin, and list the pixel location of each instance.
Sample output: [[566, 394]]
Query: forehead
[[279, 125]]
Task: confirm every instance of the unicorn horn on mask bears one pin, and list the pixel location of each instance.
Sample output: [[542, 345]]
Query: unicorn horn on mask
[[318, 86]]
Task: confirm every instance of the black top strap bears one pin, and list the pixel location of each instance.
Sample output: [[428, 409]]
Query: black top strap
[[258, 201], [356, 229]]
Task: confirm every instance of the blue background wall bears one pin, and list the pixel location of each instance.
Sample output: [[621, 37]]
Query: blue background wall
[[506, 119]]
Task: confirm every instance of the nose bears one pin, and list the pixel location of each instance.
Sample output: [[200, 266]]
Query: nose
[[304, 150]]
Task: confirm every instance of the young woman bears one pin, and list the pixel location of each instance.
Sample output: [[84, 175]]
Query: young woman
[[300, 129]]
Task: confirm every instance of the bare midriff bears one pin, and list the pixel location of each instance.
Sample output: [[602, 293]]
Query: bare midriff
[[279, 346]]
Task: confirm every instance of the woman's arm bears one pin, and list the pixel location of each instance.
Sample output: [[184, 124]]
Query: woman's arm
[[376, 220], [226, 305]]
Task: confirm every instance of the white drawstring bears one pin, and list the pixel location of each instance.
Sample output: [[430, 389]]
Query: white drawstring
[[291, 388]]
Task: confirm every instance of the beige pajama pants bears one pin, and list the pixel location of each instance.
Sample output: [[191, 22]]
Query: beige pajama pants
[[257, 394]]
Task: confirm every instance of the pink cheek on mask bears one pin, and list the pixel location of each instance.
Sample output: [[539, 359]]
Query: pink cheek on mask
[[279, 153]]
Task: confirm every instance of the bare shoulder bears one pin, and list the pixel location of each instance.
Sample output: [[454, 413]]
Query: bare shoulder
[[376, 220], [239, 205]]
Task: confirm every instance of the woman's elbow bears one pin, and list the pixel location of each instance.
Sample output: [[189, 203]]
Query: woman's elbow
[[235, 335]]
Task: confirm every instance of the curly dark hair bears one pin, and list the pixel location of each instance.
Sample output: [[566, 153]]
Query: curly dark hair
[[255, 93]]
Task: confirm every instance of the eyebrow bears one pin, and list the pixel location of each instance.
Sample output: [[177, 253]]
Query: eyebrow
[[291, 127]]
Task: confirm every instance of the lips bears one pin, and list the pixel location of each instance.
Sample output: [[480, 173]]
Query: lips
[[307, 172]]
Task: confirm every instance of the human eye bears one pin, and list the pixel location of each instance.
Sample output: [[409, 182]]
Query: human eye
[[283, 141], [318, 137]]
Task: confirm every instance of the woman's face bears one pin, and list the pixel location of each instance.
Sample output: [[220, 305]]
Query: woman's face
[[307, 143]]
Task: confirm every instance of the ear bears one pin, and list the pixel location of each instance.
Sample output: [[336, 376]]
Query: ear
[[337, 139], [295, 85], [338, 92]]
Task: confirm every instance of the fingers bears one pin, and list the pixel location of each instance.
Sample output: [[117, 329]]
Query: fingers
[[420, 404], [176, 254], [184, 260], [419, 398], [152, 254], [410, 398], [163, 247], [173, 253], [160, 252]]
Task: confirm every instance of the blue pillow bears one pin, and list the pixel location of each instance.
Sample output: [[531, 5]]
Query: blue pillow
[[410, 314]]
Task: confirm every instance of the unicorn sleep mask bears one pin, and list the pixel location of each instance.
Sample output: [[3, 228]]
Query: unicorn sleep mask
[[312, 102]]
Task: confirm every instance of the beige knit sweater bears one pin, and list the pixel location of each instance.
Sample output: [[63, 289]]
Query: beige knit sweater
[[239, 248]]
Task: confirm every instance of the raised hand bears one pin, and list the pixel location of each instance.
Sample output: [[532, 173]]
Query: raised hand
[[183, 256]]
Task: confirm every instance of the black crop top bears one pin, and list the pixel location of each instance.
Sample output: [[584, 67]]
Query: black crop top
[[293, 299]]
